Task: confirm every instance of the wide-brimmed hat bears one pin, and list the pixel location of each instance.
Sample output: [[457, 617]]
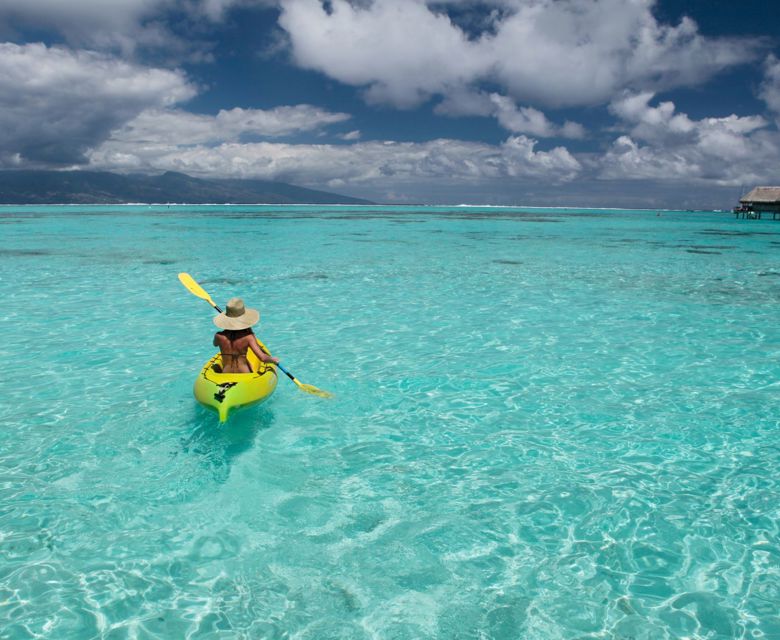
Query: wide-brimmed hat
[[236, 316]]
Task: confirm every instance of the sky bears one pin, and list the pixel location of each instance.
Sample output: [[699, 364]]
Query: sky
[[624, 103]]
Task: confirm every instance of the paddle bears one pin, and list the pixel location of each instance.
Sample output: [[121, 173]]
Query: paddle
[[195, 289]]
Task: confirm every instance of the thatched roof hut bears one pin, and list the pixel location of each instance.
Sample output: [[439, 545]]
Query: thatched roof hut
[[762, 199]]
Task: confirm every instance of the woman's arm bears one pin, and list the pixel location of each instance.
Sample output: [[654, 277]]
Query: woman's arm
[[258, 351]]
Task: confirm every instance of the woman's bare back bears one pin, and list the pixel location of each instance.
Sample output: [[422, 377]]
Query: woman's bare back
[[234, 352]]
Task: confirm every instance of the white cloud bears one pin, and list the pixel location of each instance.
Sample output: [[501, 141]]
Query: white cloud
[[530, 120], [383, 164], [653, 123], [770, 88], [515, 119], [663, 124], [279, 121], [171, 126], [400, 50], [95, 23], [628, 160], [546, 52], [693, 165], [465, 102], [56, 103], [119, 25], [573, 130], [728, 150], [521, 120], [583, 51]]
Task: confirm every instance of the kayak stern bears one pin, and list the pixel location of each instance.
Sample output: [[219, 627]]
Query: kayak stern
[[224, 392]]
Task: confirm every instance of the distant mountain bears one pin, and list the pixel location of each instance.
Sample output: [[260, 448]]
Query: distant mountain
[[102, 187]]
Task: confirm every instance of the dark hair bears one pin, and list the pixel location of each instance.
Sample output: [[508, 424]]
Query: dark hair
[[235, 334]]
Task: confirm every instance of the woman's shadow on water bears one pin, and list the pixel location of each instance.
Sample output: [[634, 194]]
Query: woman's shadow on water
[[216, 444]]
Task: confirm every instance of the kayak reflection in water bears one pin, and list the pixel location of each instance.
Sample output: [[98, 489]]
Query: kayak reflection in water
[[237, 337]]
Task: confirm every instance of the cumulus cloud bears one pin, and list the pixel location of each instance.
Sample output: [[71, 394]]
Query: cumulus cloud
[[727, 150], [663, 124], [653, 123], [530, 120], [56, 103], [400, 50], [579, 52], [515, 119], [380, 163]]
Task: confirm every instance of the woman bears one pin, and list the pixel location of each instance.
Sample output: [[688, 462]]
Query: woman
[[237, 337]]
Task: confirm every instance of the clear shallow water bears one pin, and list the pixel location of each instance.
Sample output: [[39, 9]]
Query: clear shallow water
[[548, 424]]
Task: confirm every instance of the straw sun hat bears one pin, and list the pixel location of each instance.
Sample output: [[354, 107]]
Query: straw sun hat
[[236, 316]]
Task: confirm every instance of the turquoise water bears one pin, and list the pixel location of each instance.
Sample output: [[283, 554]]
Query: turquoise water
[[547, 424]]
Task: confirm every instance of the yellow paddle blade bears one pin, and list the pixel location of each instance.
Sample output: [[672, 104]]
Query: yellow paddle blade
[[310, 388], [194, 288]]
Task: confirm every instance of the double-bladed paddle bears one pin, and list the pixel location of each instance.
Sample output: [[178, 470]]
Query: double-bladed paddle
[[194, 288]]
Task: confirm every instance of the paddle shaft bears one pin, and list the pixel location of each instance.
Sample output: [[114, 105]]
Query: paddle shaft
[[278, 364], [289, 375]]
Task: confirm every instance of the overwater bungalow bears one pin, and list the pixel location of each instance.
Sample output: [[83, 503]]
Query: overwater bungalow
[[759, 200]]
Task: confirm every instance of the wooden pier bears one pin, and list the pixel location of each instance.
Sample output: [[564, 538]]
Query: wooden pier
[[749, 214]]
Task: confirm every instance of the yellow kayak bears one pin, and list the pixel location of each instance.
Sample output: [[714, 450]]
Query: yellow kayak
[[224, 392]]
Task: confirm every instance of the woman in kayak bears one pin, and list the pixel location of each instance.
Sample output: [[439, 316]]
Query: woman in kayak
[[237, 337]]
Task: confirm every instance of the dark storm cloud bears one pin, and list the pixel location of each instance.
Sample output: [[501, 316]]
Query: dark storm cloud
[[55, 103]]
